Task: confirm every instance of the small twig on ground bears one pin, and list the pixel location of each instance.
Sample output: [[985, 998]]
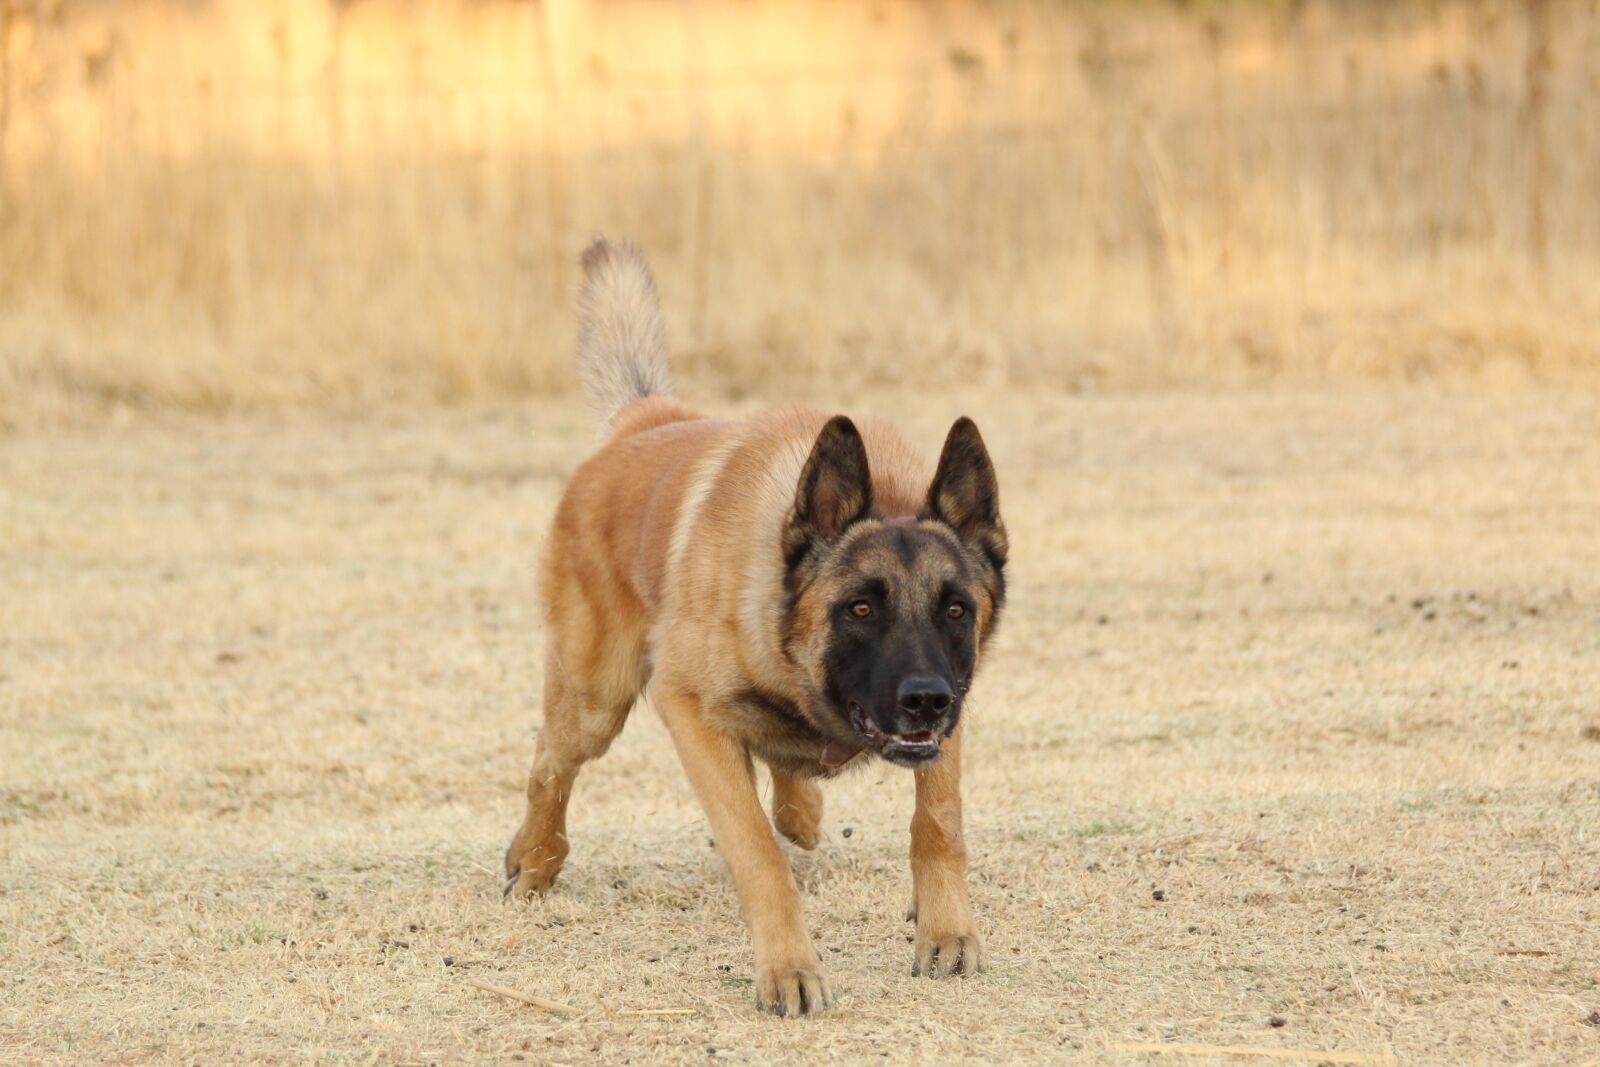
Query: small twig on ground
[[1317, 1055], [660, 1011], [527, 998], [576, 1020], [717, 1005], [609, 1013]]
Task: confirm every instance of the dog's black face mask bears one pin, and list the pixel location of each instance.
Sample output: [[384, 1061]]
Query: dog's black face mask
[[903, 641], [900, 608]]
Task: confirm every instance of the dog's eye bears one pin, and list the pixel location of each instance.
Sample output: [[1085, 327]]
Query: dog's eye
[[956, 611], [861, 609]]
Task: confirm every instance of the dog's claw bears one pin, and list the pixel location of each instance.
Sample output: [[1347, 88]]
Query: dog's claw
[[792, 991], [960, 954]]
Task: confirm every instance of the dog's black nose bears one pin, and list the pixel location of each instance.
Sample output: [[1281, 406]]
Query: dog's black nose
[[925, 696]]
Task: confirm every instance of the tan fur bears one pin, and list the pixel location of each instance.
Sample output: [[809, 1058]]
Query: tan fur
[[622, 339], [663, 571]]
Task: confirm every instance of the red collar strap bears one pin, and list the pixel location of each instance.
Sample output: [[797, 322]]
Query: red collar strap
[[836, 754]]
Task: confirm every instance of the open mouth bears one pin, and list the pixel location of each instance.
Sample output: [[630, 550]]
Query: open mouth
[[918, 746]]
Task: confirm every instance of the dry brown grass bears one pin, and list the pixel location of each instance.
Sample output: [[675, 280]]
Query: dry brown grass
[[1288, 720], [311, 203]]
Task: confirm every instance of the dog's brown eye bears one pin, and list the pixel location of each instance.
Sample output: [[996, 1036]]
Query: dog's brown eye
[[861, 609], [956, 611]]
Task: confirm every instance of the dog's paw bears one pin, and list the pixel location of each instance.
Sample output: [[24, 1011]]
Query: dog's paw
[[526, 885], [937, 957], [791, 990], [531, 874], [805, 835]]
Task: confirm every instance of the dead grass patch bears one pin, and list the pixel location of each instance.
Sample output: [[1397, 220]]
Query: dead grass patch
[[268, 687]]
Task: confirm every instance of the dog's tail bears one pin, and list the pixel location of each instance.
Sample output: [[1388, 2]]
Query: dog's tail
[[622, 339]]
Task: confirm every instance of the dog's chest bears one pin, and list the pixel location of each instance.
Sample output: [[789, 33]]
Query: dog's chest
[[776, 732]]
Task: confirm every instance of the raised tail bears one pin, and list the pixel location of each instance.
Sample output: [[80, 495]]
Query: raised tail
[[622, 338]]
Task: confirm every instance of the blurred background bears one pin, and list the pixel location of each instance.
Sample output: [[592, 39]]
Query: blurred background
[[222, 204]]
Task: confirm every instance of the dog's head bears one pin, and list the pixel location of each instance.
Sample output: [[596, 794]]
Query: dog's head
[[886, 619]]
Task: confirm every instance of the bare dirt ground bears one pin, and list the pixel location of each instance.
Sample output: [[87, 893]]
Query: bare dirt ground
[[1291, 741]]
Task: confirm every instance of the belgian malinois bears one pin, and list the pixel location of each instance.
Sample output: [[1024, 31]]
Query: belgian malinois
[[794, 587]]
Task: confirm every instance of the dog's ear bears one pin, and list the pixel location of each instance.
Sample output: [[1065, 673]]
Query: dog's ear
[[965, 494], [835, 489]]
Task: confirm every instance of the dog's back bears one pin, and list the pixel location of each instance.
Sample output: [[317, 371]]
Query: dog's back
[[670, 490]]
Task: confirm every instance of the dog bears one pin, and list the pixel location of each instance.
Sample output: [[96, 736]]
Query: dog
[[795, 588]]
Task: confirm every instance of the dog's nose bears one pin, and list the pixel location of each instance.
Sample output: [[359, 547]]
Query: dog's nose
[[925, 696]]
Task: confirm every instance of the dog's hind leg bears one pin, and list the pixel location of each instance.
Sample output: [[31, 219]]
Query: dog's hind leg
[[797, 809], [593, 673], [578, 726]]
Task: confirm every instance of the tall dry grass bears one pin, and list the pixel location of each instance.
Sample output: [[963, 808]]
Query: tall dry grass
[[327, 202]]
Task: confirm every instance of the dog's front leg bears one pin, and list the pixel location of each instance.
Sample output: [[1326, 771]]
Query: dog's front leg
[[947, 934], [789, 978]]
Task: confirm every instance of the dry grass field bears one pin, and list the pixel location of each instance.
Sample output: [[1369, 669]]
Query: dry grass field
[[229, 204], [1294, 718]]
